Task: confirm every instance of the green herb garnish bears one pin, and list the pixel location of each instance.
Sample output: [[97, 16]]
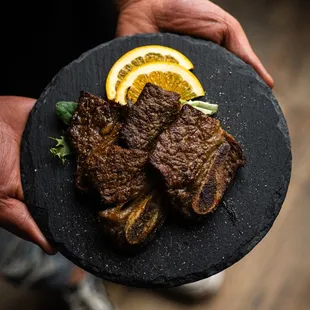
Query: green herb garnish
[[62, 149], [205, 111], [65, 110], [204, 107]]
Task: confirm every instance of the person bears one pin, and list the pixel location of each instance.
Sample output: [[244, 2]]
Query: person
[[26, 257]]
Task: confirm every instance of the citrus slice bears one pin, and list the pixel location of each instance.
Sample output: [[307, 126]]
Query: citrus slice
[[138, 57], [169, 76]]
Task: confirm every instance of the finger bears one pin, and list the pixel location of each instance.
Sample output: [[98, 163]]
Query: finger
[[15, 217], [236, 41], [209, 21]]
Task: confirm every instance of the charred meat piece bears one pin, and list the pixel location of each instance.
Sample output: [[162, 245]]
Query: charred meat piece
[[117, 173], [154, 110], [94, 122], [135, 223], [222, 168], [183, 149], [197, 160]]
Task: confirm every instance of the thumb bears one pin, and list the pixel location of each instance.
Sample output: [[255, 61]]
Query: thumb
[[207, 20], [15, 217]]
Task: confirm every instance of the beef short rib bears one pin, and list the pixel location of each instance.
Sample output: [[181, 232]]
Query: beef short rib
[[133, 212], [134, 224], [194, 159], [197, 160], [117, 173], [154, 110], [94, 122]]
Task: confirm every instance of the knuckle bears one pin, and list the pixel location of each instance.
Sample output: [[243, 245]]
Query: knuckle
[[233, 24], [12, 215], [21, 218]]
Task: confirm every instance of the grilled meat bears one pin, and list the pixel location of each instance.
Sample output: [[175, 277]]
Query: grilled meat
[[94, 122], [197, 160], [193, 156], [134, 224], [154, 110], [117, 173]]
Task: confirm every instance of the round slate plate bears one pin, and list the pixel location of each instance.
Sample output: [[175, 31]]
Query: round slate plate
[[247, 109]]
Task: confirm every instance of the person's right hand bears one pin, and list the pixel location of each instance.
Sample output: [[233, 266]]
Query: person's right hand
[[14, 215], [200, 18]]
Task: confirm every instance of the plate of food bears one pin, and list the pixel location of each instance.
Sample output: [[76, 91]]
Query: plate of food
[[156, 160]]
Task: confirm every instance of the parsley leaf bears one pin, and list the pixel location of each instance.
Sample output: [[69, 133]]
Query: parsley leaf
[[62, 149]]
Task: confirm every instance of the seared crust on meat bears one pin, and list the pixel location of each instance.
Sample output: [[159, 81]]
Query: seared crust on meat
[[117, 173], [134, 224], [134, 213], [94, 122], [197, 160], [154, 110]]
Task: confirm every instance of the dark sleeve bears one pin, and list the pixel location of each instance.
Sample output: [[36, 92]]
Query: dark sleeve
[[46, 37]]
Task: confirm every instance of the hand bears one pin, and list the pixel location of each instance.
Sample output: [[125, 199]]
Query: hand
[[200, 18], [14, 215]]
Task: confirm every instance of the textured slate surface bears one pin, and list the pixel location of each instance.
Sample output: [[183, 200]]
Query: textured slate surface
[[247, 109]]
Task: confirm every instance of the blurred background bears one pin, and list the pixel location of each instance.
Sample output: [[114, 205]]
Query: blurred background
[[276, 274]]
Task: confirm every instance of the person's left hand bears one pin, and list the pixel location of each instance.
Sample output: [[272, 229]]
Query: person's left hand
[[14, 215], [200, 18]]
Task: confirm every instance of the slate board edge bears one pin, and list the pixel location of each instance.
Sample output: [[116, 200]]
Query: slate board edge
[[161, 282]]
